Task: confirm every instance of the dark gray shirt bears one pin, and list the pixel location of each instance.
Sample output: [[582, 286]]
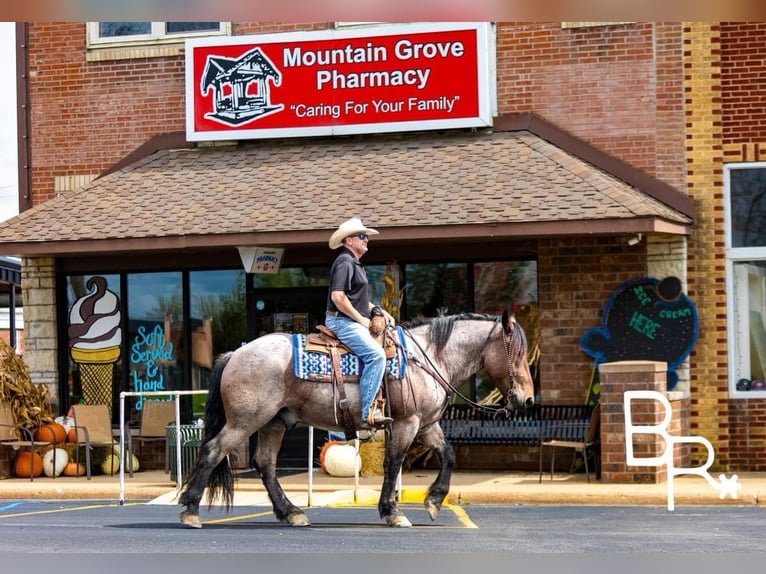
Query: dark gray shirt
[[348, 275]]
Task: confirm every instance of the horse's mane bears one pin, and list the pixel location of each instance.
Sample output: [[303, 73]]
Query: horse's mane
[[440, 328]]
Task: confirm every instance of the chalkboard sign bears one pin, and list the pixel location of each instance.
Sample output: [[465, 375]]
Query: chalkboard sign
[[645, 319]]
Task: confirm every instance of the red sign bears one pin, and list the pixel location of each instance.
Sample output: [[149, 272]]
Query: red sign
[[379, 79]]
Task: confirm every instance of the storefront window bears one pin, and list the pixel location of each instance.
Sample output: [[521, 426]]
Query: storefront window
[[508, 285], [436, 288], [218, 322], [93, 338], [745, 187], [155, 342]]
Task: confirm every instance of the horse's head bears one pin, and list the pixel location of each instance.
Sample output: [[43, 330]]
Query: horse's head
[[507, 363]]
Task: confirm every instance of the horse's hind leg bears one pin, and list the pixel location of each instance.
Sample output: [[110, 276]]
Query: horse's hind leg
[[208, 460], [269, 441]]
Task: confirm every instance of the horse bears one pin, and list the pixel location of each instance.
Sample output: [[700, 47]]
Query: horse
[[254, 389]]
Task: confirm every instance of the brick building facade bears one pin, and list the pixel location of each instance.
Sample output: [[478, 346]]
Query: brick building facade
[[659, 106]]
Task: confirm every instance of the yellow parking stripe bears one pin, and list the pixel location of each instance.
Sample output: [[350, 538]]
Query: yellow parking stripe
[[238, 517], [56, 510], [460, 514]]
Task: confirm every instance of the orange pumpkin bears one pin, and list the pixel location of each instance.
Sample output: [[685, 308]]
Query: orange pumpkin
[[51, 432], [71, 435], [74, 469], [26, 462]]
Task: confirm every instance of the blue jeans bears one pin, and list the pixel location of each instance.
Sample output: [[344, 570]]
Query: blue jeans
[[371, 355]]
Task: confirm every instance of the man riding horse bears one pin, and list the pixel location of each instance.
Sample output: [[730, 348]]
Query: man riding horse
[[349, 313]]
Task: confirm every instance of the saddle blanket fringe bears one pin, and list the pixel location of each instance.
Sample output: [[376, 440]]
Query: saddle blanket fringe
[[317, 366]]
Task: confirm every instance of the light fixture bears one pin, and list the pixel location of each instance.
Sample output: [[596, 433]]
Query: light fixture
[[635, 240]]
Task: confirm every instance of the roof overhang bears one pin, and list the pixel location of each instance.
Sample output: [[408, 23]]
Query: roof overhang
[[522, 180]]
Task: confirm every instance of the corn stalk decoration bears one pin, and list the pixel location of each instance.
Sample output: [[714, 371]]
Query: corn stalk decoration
[[30, 403], [392, 297]]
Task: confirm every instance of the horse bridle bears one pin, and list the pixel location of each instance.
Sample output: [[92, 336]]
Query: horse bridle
[[432, 370]]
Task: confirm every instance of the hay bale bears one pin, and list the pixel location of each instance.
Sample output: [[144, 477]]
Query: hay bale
[[372, 453]]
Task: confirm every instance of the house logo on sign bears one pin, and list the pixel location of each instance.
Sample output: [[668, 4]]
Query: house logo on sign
[[240, 87]]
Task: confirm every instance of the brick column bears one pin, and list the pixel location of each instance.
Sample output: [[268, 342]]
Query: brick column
[[616, 379]]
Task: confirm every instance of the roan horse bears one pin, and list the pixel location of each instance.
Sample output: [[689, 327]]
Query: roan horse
[[253, 389]]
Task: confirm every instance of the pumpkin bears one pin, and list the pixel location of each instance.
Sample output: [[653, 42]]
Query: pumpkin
[[71, 435], [323, 452], [111, 464], [28, 461], [62, 458], [341, 460], [74, 469], [51, 432]]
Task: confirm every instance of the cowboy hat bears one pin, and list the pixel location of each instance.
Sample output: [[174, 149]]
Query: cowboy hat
[[349, 227]]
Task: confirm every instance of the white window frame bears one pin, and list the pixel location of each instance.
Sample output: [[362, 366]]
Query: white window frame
[[737, 307], [156, 36]]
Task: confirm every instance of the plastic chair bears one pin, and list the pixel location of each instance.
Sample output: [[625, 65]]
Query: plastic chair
[[155, 416], [10, 434], [582, 437], [94, 429]]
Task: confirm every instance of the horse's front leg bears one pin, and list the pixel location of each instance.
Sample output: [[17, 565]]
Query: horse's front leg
[[269, 442], [398, 440], [433, 438]]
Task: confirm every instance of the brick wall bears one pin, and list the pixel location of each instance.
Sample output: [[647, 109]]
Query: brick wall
[[743, 81], [617, 379], [743, 105], [706, 284], [576, 277], [600, 83]]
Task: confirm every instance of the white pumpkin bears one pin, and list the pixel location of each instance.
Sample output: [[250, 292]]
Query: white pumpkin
[[62, 459], [339, 460]]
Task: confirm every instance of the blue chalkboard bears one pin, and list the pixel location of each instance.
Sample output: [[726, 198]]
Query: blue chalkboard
[[645, 319]]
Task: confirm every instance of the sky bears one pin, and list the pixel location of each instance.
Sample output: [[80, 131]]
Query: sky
[[9, 194]]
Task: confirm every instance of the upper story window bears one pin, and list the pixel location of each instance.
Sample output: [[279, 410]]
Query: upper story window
[[121, 40], [745, 218], [108, 32]]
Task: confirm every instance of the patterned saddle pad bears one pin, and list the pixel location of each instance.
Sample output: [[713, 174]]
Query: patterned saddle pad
[[317, 366]]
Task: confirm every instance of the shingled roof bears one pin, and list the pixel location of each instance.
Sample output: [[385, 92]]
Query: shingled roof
[[464, 184]]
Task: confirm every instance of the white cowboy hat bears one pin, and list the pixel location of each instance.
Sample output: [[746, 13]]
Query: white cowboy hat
[[349, 227]]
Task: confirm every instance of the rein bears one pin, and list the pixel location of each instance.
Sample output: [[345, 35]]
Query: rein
[[430, 368]]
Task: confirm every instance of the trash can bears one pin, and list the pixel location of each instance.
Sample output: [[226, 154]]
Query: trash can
[[191, 438]]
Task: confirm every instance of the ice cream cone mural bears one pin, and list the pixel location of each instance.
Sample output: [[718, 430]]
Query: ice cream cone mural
[[95, 337]]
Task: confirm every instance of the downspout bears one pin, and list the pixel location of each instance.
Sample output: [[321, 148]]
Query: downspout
[[23, 119]]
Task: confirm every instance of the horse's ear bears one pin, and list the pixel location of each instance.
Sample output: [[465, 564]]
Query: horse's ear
[[508, 318]]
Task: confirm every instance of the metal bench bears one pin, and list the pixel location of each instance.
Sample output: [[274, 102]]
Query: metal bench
[[566, 425], [466, 425]]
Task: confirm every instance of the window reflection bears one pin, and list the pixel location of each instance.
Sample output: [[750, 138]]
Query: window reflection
[[217, 322], [155, 344]]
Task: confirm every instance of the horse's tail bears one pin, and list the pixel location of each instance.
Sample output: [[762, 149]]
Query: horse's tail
[[220, 483]]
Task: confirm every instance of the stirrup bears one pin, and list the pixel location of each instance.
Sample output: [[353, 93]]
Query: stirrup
[[376, 419]]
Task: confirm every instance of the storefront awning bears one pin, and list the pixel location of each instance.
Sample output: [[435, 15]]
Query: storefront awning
[[524, 179]]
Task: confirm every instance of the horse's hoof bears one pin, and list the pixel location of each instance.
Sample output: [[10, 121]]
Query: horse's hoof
[[399, 521], [190, 519], [432, 508], [299, 519]]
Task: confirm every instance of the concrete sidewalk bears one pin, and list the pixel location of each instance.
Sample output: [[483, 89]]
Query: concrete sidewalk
[[466, 488]]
